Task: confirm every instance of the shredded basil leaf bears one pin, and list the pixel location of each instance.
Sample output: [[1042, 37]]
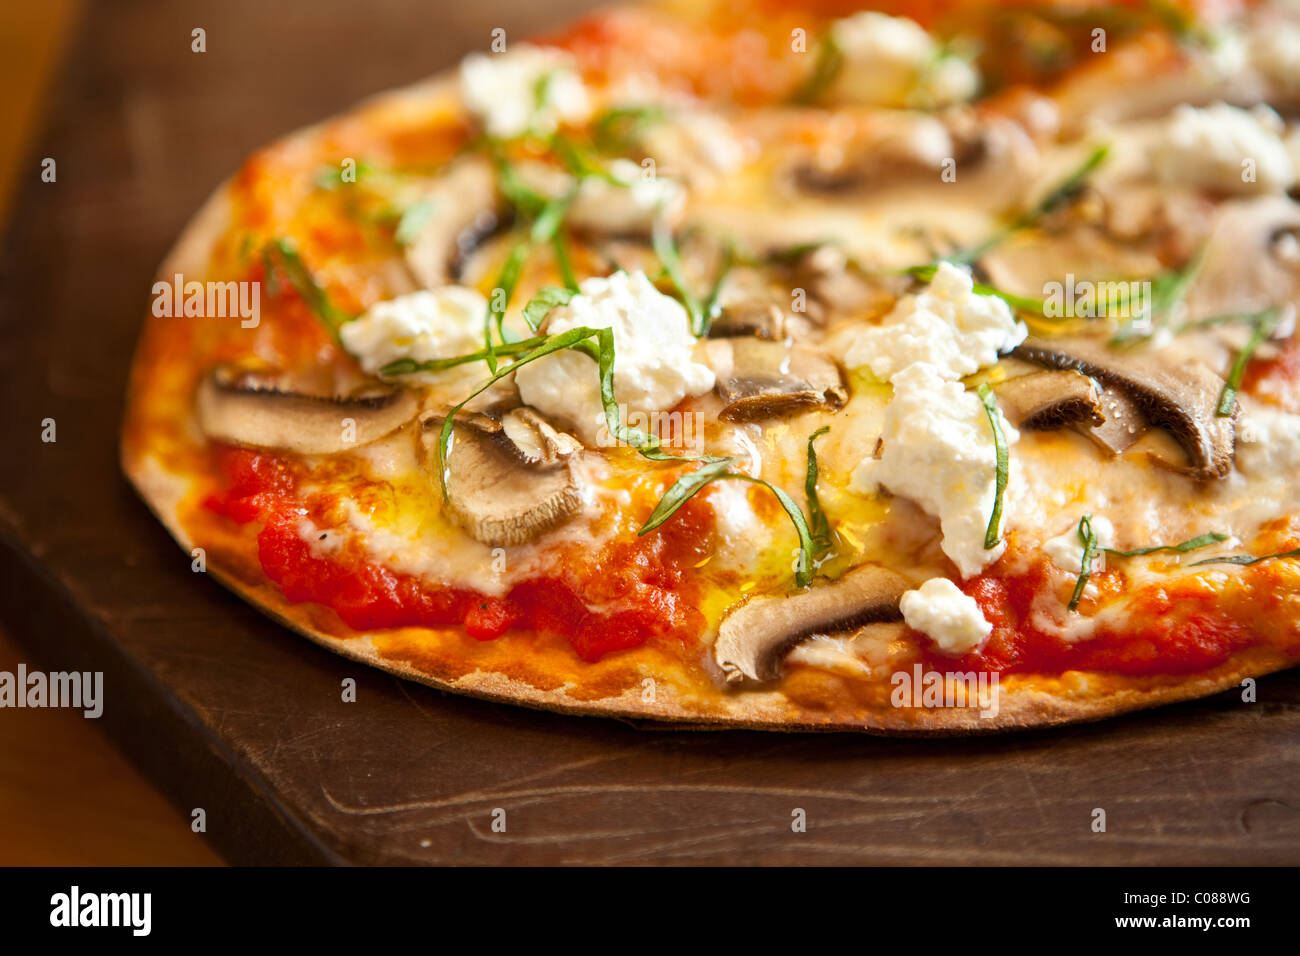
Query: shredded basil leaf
[[620, 127], [687, 485], [544, 229], [990, 403], [1167, 290], [1089, 539], [1018, 302], [409, 366], [1247, 559], [666, 249], [1263, 329], [712, 308], [821, 528], [280, 256], [683, 489], [413, 221], [826, 68], [546, 299], [1060, 194], [1191, 544]]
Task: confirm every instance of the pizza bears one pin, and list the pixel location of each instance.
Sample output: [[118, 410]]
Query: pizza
[[928, 369]]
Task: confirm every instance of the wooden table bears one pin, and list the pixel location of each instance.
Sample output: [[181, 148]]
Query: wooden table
[[230, 713]]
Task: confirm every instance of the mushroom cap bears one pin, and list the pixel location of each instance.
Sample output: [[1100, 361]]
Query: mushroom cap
[[509, 480], [259, 416], [758, 378], [754, 637], [464, 201], [1052, 399], [1181, 398]]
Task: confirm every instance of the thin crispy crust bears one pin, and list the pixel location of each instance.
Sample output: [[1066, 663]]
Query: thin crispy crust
[[1022, 704], [825, 703]]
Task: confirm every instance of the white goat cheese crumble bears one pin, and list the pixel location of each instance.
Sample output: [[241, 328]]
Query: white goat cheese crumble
[[654, 356], [527, 88], [1066, 549], [425, 325], [939, 451], [947, 615], [893, 61], [948, 326], [1224, 148]]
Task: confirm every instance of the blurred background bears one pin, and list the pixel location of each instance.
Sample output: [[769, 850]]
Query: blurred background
[[171, 125]]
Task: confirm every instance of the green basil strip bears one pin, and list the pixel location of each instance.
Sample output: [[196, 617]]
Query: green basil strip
[[408, 366], [712, 308], [1167, 290], [1264, 328], [821, 528], [990, 403], [541, 304], [1247, 559], [830, 60], [413, 221], [1018, 302], [1227, 318], [304, 283], [685, 487], [1191, 544], [562, 262], [1089, 539], [666, 249], [543, 230], [621, 125], [520, 196], [552, 343], [1065, 190]]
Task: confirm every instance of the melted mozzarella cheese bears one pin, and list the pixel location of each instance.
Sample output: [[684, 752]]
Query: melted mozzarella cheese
[[1066, 549]]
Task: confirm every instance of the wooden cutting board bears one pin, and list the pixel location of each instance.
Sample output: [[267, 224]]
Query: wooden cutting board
[[228, 712]]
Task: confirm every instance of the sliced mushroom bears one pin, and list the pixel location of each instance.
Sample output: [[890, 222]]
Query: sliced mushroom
[[1046, 400], [257, 415], [990, 157], [1251, 260], [1180, 398], [763, 379], [464, 201], [755, 637], [752, 303], [509, 479]]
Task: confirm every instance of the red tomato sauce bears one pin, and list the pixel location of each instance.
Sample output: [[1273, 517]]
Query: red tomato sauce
[[1276, 379], [1176, 629], [646, 576]]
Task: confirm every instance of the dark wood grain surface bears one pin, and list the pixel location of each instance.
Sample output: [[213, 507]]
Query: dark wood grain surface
[[228, 712]]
